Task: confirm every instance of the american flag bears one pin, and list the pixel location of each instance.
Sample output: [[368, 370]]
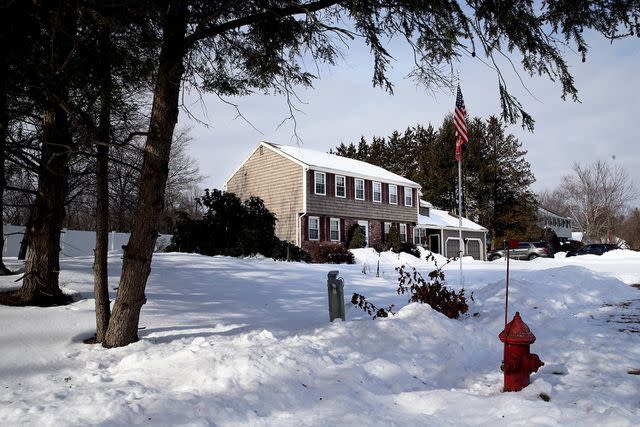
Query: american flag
[[460, 124]]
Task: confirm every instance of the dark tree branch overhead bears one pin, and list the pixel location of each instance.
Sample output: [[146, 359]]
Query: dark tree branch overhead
[[206, 30]]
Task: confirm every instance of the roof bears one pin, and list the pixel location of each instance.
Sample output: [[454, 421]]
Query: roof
[[442, 219], [331, 163], [550, 212]]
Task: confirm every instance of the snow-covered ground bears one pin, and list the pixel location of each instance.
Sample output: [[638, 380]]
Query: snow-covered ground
[[247, 342]]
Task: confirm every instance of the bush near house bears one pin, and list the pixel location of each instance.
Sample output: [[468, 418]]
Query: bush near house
[[356, 238], [410, 248], [393, 240], [232, 227], [331, 253]]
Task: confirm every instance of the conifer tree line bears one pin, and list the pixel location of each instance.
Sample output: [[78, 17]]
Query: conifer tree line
[[82, 80], [496, 176]]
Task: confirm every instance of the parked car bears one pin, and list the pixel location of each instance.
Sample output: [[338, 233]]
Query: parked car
[[593, 249], [525, 250]]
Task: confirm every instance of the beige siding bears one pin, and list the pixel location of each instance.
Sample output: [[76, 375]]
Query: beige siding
[[277, 181]]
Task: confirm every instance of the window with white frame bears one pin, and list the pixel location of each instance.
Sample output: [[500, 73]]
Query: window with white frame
[[359, 189], [403, 233], [314, 228], [387, 227], [408, 196], [377, 192], [341, 187], [334, 229], [393, 194], [321, 180]]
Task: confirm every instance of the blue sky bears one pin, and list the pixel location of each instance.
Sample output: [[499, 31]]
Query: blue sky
[[343, 106]]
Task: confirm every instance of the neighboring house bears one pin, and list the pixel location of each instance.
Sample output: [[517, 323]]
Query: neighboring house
[[438, 231], [317, 197], [561, 225]]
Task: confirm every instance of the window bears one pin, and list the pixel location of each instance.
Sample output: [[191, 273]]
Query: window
[[408, 196], [359, 189], [341, 189], [403, 233], [314, 228], [393, 194], [417, 232], [387, 227], [334, 229], [320, 183], [377, 192]]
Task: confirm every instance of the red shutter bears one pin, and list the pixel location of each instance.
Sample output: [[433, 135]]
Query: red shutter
[[304, 228], [385, 193], [327, 224], [343, 232], [400, 195], [368, 189]]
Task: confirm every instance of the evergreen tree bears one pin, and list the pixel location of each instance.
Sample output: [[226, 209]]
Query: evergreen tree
[[496, 177], [440, 183], [357, 239], [393, 239], [505, 205]]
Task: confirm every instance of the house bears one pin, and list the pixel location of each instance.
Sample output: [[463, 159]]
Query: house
[[438, 231], [561, 225], [317, 197]]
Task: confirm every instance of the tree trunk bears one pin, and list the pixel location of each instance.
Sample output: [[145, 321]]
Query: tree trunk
[[40, 285], [123, 326], [24, 243], [4, 131], [100, 269]]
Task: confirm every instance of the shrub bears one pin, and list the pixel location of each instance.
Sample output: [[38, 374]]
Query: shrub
[[186, 235], [410, 248], [232, 227], [380, 247], [357, 239], [432, 292], [372, 310], [331, 253], [287, 251], [394, 239]]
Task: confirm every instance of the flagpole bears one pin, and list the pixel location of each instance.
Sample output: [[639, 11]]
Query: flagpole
[[460, 126], [460, 244]]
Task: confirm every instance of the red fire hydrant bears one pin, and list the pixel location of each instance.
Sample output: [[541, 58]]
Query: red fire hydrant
[[518, 362]]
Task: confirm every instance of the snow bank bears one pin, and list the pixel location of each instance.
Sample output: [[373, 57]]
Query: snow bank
[[247, 342]]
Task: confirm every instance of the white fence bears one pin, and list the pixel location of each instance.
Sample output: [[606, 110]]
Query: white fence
[[74, 243]]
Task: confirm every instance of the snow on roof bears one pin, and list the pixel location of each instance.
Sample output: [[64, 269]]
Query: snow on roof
[[441, 219], [337, 164]]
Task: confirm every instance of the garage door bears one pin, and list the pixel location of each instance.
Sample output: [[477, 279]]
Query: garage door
[[473, 249], [452, 248]]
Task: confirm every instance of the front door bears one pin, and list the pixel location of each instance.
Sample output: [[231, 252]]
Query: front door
[[434, 243], [364, 226]]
